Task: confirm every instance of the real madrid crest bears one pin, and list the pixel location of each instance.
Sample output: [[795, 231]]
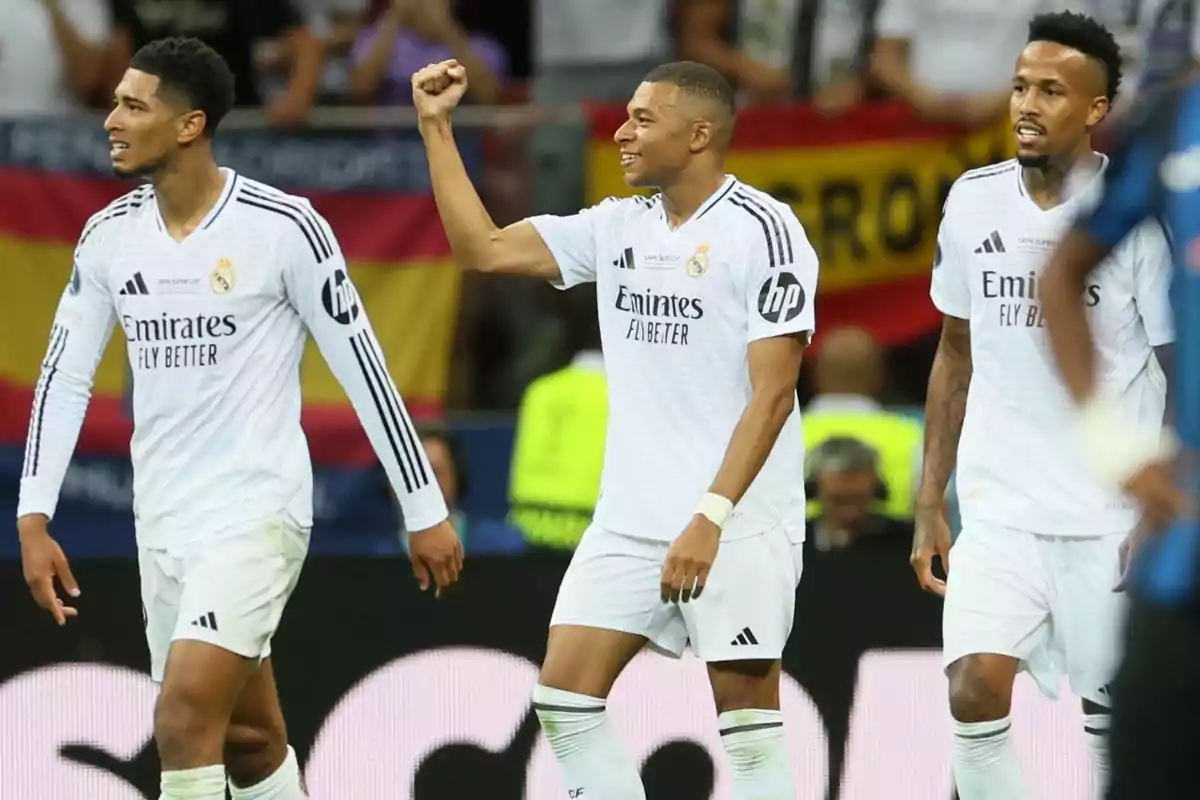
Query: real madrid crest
[[223, 277], [697, 265]]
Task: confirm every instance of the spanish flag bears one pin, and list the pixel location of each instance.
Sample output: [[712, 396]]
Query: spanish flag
[[868, 186], [398, 256]]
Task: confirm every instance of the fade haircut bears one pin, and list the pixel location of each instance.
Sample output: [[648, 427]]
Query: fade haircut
[[192, 70], [1081, 32], [699, 81]]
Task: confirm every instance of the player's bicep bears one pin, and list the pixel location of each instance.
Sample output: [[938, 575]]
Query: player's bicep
[[573, 242], [955, 341], [774, 363], [520, 249], [83, 324]]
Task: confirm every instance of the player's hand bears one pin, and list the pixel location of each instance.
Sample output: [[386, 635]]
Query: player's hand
[[436, 554], [438, 88], [1154, 489], [689, 560], [931, 537], [42, 560]]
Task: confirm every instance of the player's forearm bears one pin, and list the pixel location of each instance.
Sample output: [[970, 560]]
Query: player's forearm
[[945, 411], [468, 225], [308, 62], [752, 440], [84, 60], [1063, 285], [59, 407]]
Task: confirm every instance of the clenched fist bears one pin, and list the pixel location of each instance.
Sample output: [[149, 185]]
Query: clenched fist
[[438, 88]]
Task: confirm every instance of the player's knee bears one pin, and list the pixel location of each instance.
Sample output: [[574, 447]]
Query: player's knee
[[252, 753], [976, 693], [184, 730]]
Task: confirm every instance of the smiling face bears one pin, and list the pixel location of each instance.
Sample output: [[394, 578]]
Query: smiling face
[[147, 126], [1057, 98]]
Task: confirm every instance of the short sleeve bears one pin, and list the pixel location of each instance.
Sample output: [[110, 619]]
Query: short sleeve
[[1152, 269], [574, 240], [896, 20], [948, 286], [781, 289]]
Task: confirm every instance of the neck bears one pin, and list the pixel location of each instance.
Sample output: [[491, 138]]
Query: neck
[[1046, 185], [187, 189], [683, 197]]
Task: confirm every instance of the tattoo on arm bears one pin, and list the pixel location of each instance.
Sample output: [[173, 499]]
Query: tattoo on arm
[[945, 408]]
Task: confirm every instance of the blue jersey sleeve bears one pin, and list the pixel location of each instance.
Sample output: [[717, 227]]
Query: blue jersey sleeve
[[1130, 192]]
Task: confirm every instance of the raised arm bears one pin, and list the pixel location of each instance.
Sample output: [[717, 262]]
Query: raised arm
[[477, 242]]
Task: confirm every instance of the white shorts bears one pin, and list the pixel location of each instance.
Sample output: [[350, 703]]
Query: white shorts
[[745, 611], [1046, 600], [229, 592]]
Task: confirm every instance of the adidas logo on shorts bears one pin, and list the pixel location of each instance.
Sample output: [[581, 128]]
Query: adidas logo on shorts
[[208, 620], [745, 637]]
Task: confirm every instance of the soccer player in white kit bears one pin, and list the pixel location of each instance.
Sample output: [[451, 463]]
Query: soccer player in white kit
[[705, 295], [1036, 564], [214, 279]]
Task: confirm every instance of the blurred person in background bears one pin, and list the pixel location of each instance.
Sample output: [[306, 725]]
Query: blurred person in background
[[951, 60], [842, 473], [52, 55], [1036, 564], [774, 50], [559, 449], [850, 376], [411, 34], [233, 28], [335, 24]]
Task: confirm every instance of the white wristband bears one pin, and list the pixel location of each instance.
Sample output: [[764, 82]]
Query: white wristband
[[716, 508], [1111, 449]]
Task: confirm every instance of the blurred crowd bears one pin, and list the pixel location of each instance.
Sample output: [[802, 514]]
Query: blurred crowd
[[949, 60]]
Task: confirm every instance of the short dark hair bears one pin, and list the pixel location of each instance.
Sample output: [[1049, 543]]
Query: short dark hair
[[698, 80], [1081, 32], [193, 70]]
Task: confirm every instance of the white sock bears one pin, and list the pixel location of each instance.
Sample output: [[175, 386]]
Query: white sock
[[753, 738], [594, 763], [1095, 729], [985, 761], [201, 783], [283, 784]]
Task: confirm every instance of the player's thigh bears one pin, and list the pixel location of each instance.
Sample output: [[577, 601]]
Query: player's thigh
[[1088, 615], [608, 608], [160, 573], [256, 740], [742, 620], [997, 597], [236, 587], [1153, 746]]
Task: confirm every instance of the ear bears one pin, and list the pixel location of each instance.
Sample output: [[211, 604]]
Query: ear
[[1097, 111], [191, 126], [702, 135]]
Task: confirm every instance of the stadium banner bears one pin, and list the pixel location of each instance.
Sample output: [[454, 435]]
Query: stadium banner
[[372, 186], [867, 185], [391, 694]]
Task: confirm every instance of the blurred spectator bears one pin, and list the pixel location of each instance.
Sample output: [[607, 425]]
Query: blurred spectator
[[775, 49], [586, 50], [411, 34], [559, 449], [52, 54], [849, 378], [842, 474], [336, 24], [952, 60], [232, 28]]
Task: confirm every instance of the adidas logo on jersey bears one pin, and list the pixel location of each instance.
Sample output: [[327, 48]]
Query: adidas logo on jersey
[[208, 620], [992, 244], [626, 260], [745, 637], [135, 285]]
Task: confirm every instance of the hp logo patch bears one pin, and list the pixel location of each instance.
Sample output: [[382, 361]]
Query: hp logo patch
[[781, 298], [340, 298]]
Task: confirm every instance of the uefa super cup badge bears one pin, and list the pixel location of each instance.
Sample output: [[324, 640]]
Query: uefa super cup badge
[[223, 277], [697, 265]]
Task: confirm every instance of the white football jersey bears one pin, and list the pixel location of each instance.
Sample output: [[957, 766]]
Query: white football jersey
[[216, 326], [678, 310], [1017, 461]]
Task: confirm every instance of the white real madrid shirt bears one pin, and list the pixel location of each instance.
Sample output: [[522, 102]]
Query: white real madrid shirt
[[216, 325], [1017, 463], [678, 309]]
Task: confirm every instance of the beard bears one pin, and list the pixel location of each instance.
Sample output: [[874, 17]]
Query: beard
[[147, 169], [1041, 162]]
